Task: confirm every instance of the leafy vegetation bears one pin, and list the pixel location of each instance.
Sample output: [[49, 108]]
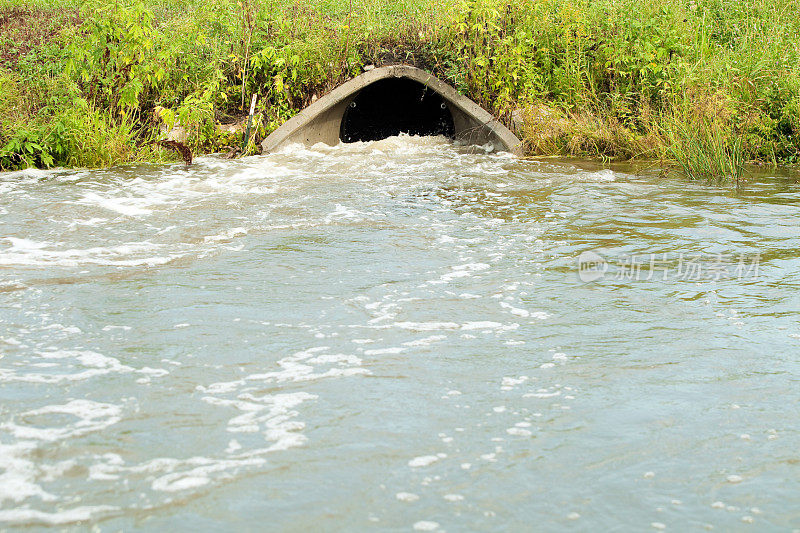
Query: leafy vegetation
[[706, 84]]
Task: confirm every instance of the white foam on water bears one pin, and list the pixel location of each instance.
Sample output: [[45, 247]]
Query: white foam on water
[[510, 382], [472, 267], [141, 197], [128, 206], [384, 351], [460, 271], [221, 387], [226, 236], [25, 244], [274, 416], [342, 212], [335, 358], [180, 481], [250, 177], [402, 144], [426, 525], [542, 393], [167, 474], [488, 325], [151, 208], [515, 310], [406, 496], [271, 415], [85, 363], [26, 252], [20, 468], [426, 326], [92, 416], [423, 460], [18, 473], [58, 518], [600, 175], [450, 276], [94, 221], [427, 341], [468, 296], [63, 328], [300, 367], [383, 311], [241, 407], [27, 175], [524, 313]]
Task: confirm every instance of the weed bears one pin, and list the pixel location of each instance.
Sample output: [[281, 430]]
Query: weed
[[708, 84]]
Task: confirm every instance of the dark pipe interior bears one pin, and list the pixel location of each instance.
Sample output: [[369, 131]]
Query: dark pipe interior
[[392, 106]]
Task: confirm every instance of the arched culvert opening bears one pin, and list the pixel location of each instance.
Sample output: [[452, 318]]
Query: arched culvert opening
[[393, 106], [391, 100]]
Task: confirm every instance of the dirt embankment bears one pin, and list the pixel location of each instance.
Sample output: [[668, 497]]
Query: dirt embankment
[[25, 30]]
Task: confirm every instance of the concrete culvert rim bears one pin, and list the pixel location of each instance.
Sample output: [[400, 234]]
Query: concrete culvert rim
[[390, 100]]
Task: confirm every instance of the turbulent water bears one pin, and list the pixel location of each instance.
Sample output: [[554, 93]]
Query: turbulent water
[[397, 336]]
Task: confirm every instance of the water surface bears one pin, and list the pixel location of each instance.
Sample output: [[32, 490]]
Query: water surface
[[395, 336]]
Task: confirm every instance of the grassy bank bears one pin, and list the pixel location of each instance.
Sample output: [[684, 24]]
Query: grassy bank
[[701, 84]]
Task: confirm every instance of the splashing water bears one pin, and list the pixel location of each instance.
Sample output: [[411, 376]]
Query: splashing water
[[394, 335]]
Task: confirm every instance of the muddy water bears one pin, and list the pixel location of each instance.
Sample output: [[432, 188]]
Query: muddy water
[[397, 336]]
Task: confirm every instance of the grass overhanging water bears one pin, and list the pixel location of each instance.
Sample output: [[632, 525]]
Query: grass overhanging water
[[702, 85]]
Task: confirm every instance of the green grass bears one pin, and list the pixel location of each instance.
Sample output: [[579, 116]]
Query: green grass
[[707, 84]]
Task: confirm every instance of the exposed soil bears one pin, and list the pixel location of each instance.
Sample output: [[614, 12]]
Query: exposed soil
[[24, 30], [402, 50]]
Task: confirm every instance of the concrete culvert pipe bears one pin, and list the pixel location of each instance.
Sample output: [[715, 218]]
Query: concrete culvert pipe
[[388, 101], [393, 106]]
